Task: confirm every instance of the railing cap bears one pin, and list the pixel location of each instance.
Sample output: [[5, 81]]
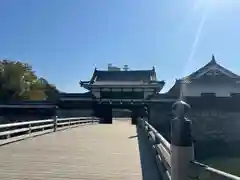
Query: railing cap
[[180, 108]]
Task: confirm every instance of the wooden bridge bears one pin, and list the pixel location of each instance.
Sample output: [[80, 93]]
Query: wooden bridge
[[81, 148], [89, 151]]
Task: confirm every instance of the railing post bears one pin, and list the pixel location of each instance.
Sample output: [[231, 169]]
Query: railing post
[[182, 152], [54, 123], [29, 129], [55, 119]]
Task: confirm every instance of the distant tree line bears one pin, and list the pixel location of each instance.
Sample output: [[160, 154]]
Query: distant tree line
[[19, 82]]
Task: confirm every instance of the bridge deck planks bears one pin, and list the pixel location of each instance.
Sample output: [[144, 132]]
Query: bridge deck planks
[[90, 152]]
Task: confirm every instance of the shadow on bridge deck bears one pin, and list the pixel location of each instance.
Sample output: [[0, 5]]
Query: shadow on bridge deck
[[89, 152]]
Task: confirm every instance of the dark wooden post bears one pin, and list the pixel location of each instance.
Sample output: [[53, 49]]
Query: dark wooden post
[[134, 116], [104, 111], [108, 114], [95, 109], [182, 152], [55, 119]]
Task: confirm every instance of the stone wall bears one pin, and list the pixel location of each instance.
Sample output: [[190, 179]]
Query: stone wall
[[63, 113], [160, 118], [215, 125], [206, 124], [157, 116], [215, 132]]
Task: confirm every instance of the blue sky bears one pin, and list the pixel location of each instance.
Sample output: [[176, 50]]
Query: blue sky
[[64, 40]]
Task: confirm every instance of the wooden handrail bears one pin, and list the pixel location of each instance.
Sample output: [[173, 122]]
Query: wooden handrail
[[42, 121], [75, 118], [158, 136], [24, 123], [214, 174], [162, 149], [29, 127]]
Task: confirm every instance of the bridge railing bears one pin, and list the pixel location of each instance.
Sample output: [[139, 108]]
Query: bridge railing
[[175, 160], [202, 171], [160, 147], [21, 130]]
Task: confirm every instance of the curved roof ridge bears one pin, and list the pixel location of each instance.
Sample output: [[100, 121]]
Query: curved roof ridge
[[207, 66]]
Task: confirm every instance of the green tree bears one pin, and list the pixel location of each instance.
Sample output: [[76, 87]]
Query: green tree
[[18, 81], [50, 90]]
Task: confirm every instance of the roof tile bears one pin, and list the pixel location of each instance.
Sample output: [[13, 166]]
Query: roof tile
[[142, 75]]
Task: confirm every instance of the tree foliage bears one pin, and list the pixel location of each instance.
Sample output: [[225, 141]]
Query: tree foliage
[[18, 81]]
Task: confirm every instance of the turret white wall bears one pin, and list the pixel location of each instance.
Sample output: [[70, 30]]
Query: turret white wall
[[221, 90]]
